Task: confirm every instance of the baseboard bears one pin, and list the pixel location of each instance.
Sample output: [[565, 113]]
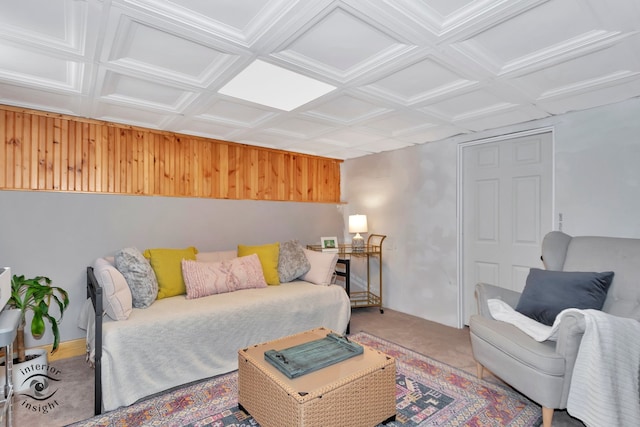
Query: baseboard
[[66, 349]]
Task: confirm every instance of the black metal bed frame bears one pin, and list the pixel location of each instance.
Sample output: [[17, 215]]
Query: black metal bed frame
[[94, 291]]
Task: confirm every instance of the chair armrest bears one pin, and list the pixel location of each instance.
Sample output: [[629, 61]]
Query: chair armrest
[[485, 291], [570, 332]]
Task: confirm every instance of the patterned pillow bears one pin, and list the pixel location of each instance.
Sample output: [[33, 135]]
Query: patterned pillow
[[139, 276], [292, 262], [209, 278]]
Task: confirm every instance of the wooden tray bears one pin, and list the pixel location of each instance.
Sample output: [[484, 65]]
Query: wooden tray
[[313, 355]]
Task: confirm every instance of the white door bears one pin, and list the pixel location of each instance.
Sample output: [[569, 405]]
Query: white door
[[507, 210]]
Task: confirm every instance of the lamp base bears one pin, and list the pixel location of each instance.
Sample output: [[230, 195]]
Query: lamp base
[[357, 244]]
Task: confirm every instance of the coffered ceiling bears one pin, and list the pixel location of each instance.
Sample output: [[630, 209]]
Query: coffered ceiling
[[405, 72]]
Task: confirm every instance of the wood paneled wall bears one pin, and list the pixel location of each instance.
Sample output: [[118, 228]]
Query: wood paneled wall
[[53, 152]]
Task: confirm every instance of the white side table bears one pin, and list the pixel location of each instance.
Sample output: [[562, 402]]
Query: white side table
[[9, 320]]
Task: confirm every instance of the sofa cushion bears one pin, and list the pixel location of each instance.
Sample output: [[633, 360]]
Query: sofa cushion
[[139, 276], [216, 256], [547, 293], [292, 262], [209, 278], [323, 267], [117, 295], [166, 265], [268, 255]]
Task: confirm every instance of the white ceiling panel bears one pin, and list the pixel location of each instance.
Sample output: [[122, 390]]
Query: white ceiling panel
[[131, 115], [54, 24], [125, 89], [419, 82], [235, 114], [26, 66], [38, 99], [346, 109], [405, 73]]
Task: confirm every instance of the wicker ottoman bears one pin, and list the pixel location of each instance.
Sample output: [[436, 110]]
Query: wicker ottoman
[[359, 391]]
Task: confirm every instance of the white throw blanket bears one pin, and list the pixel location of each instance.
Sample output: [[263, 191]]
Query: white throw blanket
[[605, 387], [500, 310]]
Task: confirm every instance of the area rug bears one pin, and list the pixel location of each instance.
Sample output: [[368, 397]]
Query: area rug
[[428, 393]]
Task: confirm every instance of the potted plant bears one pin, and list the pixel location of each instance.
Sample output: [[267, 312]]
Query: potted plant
[[36, 295]]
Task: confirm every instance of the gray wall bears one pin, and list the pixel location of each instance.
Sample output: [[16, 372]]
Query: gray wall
[[410, 195], [59, 234]]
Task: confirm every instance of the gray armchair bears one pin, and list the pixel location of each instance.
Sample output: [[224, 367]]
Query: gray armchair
[[542, 370]]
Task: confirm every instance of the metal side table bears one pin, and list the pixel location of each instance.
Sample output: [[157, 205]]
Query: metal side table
[[372, 296], [9, 320]]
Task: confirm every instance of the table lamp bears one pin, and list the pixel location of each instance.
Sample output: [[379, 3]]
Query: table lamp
[[357, 224]]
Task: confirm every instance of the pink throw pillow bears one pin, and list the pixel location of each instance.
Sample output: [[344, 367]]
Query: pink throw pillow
[[209, 278]]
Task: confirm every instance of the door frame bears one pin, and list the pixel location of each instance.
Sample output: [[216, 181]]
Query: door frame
[[460, 198]]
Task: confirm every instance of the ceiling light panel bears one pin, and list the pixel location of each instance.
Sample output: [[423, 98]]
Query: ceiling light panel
[[274, 86]]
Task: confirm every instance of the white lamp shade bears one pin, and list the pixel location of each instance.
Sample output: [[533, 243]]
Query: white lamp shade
[[357, 223]]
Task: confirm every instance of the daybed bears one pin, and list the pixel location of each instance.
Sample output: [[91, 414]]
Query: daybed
[[177, 340]]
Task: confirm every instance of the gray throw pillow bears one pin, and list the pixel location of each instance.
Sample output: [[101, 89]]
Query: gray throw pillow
[[139, 276], [547, 293], [292, 262]]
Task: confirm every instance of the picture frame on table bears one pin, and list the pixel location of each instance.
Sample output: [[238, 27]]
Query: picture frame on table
[[329, 244]]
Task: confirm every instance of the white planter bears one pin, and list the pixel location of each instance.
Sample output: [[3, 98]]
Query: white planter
[[25, 373]]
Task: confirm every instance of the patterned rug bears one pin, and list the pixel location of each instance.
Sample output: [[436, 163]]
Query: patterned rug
[[429, 393]]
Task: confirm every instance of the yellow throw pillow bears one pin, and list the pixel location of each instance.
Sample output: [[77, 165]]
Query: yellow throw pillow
[[268, 255], [167, 264]]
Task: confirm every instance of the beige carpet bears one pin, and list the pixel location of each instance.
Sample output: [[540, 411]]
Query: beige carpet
[[73, 400]]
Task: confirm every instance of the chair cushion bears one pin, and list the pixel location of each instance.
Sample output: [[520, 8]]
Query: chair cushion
[[547, 293], [504, 338]]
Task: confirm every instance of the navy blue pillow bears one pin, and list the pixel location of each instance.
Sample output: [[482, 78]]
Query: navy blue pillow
[[547, 293]]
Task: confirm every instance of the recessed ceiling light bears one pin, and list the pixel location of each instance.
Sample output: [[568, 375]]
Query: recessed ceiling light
[[274, 86]]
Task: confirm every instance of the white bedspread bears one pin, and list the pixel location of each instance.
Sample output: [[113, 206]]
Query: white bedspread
[[176, 341]]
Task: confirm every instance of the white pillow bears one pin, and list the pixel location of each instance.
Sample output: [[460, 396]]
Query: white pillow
[[116, 293], [216, 256], [323, 267]]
